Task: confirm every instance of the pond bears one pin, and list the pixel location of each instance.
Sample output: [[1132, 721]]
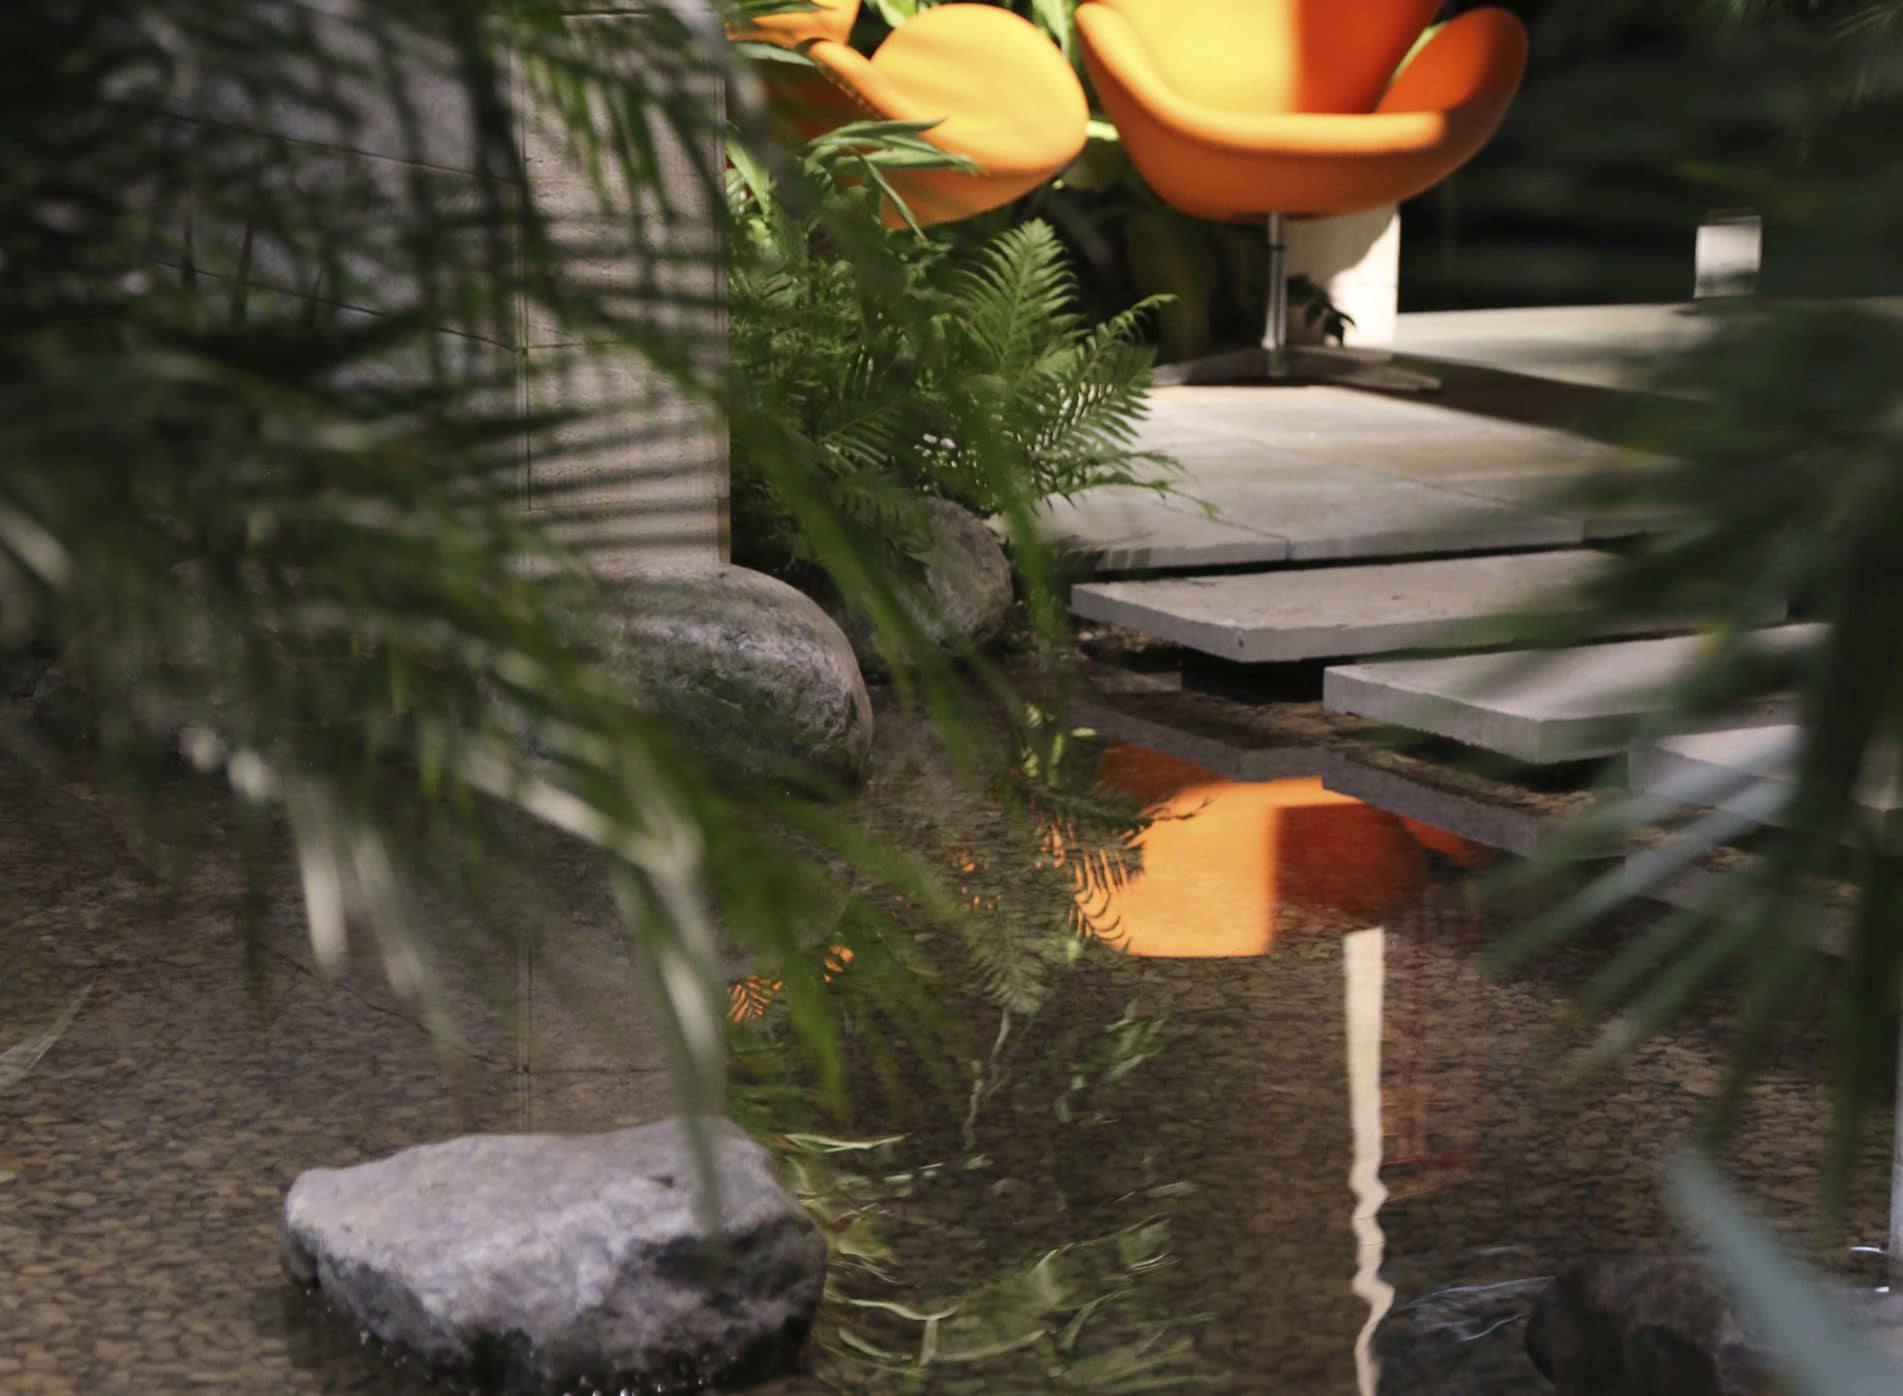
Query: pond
[[1275, 1132]]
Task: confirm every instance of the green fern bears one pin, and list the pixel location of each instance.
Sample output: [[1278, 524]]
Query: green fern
[[908, 367]]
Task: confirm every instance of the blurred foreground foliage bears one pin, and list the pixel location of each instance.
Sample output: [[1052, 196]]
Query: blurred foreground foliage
[[1778, 428], [266, 408]]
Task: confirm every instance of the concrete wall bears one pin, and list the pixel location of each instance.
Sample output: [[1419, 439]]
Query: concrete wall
[[649, 468]]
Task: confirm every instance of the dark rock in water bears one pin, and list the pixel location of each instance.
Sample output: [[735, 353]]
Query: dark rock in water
[[20, 675], [549, 1263], [1644, 1326], [750, 669], [1458, 1320]]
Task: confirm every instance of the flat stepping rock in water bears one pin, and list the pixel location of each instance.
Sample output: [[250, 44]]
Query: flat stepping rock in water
[[547, 1263], [1559, 705], [1342, 612]]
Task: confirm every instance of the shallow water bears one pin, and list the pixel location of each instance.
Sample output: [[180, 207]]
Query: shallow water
[[1356, 1157]]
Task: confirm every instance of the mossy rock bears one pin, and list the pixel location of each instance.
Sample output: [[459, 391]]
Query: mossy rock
[[750, 669]]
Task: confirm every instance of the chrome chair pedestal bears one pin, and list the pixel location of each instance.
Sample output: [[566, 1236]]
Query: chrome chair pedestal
[[1276, 361]]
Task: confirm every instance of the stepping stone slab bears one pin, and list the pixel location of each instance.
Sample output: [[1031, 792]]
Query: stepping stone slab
[[1541, 707], [547, 1263], [1302, 416], [1476, 820], [1297, 515], [1697, 889], [1754, 764], [1343, 612], [1392, 518], [1127, 528]]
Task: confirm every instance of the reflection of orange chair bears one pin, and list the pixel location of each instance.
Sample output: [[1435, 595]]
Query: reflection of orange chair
[[1001, 94], [1263, 109], [1230, 865]]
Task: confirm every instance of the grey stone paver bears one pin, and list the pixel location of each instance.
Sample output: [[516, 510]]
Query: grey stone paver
[[1479, 821], [1604, 346], [1127, 528], [1393, 518], [1250, 505], [1295, 417], [1545, 492], [1341, 612], [1564, 705], [1729, 769], [1315, 473], [1741, 769], [1495, 450]]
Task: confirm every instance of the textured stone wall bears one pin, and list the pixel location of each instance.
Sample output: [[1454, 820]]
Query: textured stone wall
[[648, 469], [655, 462]]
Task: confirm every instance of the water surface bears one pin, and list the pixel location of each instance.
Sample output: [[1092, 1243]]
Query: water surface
[[1348, 1170]]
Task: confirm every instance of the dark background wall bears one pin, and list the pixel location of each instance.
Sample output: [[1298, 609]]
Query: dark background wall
[[1637, 119], [1528, 224]]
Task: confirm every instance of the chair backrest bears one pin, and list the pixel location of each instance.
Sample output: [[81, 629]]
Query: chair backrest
[[1266, 56]]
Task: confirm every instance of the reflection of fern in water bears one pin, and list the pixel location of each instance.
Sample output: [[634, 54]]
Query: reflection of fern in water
[[1079, 1315], [954, 1268], [1036, 918], [1091, 831]]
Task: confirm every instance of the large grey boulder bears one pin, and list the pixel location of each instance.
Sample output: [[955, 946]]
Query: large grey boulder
[[751, 669], [966, 575], [546, 1263], [964, 587], [1644, 1326]]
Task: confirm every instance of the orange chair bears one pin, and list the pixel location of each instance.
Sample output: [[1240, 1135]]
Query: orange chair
[[1271, 109], [831, 20], [1001, 94]]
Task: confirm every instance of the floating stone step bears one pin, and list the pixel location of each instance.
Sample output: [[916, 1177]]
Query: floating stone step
[[1309, 511], [1347, 612], [1523, 830], [1540, 707], [1708, 889], [1747, 769]]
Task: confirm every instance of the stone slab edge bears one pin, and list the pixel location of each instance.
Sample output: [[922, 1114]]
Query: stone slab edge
[[1361, 691], [1231, 762], [1510, 831], [1695, 888]]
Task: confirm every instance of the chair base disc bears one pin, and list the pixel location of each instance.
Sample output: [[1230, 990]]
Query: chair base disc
[[1348, 368]]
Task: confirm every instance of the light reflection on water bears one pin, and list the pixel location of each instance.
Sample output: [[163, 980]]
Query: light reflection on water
[[1381, 1161], [1228, 865], [1363, 968]]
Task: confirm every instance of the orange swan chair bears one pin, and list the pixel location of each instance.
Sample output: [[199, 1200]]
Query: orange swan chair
[[1001, 94], [1246, 110]]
